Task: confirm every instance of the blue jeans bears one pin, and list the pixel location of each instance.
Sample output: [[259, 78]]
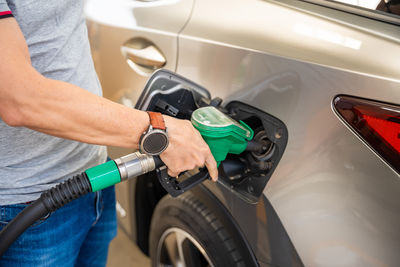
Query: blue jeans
[[78, 234]]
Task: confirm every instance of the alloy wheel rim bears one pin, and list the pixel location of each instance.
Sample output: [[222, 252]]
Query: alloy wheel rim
[[178, 248]]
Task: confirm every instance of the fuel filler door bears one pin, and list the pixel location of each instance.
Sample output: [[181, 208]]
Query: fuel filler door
[[247, 143], [170, 94]]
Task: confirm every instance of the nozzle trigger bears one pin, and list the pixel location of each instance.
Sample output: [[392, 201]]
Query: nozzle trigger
[[175, 188]]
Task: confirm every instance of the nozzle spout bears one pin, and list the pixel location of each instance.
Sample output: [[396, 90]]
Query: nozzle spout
[[256, 146]]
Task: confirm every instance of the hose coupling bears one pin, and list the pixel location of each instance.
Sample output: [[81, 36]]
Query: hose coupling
[[134, 164]]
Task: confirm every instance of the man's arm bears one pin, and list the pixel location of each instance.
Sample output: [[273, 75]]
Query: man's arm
[[28, 99]]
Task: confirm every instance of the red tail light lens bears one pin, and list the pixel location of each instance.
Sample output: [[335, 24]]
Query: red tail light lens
[[378, 124]]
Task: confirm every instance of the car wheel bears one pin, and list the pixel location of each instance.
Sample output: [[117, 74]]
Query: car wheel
[[184, 232]]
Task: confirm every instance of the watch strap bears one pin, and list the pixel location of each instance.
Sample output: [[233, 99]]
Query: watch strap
[[156, 120]]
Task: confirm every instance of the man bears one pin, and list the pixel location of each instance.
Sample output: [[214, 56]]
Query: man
[[52, 119]]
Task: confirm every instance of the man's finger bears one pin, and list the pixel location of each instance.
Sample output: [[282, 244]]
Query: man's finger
[[172, 174], [211, 165]]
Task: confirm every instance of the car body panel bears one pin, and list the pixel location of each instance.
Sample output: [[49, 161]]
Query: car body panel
[[110, 25], [306, 36], [337, 200]]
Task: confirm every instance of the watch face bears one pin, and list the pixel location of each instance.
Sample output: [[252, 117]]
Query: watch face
[[155, 142]]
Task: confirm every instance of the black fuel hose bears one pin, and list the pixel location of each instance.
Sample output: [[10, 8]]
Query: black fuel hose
[[48, 202]]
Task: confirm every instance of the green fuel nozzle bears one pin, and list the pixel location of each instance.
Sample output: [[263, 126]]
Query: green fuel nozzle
[[222, 134]]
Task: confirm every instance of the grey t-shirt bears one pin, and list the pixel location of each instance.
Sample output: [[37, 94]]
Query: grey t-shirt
[[56, 34]]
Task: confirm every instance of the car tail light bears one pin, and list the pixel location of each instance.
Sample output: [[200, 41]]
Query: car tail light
[[377, 123]]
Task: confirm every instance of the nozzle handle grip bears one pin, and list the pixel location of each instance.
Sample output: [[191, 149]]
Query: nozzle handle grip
[[171, 184], [158, 162]]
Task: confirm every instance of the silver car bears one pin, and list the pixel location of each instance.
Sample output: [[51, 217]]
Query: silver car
[[318, 81]]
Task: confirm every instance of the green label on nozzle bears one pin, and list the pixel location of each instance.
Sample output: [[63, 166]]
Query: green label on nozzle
[[222, 134], [103, 175], [213, 120]]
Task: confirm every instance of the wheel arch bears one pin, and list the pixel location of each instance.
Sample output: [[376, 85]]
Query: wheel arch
[[148, 192]]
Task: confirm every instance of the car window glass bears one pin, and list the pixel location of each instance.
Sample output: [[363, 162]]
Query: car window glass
[[388, 6]]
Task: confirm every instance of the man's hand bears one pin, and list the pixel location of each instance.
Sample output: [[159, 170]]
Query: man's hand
[[187, 149]]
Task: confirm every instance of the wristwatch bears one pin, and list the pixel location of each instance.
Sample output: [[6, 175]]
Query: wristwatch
[[155, 139]]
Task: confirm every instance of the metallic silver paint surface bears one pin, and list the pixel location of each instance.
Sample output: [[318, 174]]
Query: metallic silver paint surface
[[275, 29], [337, 200], [113, 23]]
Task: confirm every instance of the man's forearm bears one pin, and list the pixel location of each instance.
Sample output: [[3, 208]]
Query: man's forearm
[[65, 110], [28, 99]]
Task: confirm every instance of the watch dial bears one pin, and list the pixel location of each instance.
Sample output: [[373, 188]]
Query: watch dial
[[155, 143]]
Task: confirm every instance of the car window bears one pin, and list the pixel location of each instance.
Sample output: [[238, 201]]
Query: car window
[[389, 6], [384, 10]]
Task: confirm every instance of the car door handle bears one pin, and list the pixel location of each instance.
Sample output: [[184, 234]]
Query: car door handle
[[143, 53]]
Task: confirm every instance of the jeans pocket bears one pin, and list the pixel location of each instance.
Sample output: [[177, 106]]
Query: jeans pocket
[[40, 222], [8, 213], [98, 206]]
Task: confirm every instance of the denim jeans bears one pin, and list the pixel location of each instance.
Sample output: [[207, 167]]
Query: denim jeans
[[78, 234]]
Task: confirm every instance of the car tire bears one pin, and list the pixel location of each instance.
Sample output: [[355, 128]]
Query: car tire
[[184, 228]]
